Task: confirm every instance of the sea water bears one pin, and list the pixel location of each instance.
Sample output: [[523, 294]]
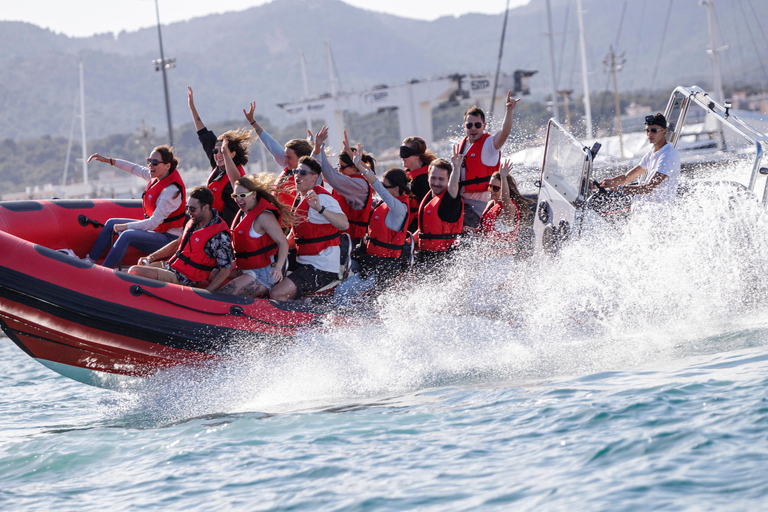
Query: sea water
[[628, 373]]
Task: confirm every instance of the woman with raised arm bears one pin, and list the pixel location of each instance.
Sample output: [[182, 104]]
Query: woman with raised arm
[[239, 142], [416, 161], [501, 220], [260, 245], [163, 200], [380, 255], [285, 184], [350, 188]]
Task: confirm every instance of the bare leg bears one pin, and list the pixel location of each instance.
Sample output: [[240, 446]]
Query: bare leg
[[245, 286], [284, 290]]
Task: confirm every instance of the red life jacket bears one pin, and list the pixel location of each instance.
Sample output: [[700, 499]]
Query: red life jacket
[[477, 174], [413, 174], [190, 258], [285, 186], [358, 219], [217, 186], [253, 252], [312, 238], [434, 234], [382, 241], [152, 192], [503, 241]]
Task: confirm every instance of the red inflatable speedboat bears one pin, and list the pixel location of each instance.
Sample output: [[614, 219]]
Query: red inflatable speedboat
[[102, 326]]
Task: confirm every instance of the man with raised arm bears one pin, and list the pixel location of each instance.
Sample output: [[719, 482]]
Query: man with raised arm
[[661, 163], [482, 154], [441, 213]]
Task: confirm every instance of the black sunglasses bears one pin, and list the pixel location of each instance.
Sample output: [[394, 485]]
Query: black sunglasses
[[303, 172], [653, 130], [477, 124], [154, 161], [216, 151], [495, 188]]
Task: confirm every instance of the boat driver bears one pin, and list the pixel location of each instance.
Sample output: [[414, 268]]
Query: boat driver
[[661, 163]]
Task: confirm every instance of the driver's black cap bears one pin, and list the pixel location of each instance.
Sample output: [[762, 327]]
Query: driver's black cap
[[657, 119]]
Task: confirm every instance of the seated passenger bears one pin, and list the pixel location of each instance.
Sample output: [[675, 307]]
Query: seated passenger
[[163, 203], [239, 144], [661, 163], [416, 161], [380, 257], [204, 246], [350, 188], [441, 213], [317, 221], [506, 214], [285, 184], [482, 156], [260, 245]]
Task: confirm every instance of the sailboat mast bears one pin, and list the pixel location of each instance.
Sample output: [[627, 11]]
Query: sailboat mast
[[584, 73], [714, 49], [303, 62], [552, 59], [82, 124]]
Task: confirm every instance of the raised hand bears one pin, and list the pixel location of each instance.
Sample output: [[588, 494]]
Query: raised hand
[[345, 145], [506, 168], [225, 148], [190, 98], [358, 156], [456, 158], [511, 102], [249, 113], [100, 158], [310, 137], [320, 138]]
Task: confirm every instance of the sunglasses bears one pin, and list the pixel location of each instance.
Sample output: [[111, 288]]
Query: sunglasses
[[494, 188], [241, 196], [389, 186], [476, 123], [154, 161], [653, 130], [303, 172], [191, 209], [216, 151]]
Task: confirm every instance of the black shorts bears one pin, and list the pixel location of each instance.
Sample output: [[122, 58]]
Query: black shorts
[[308, 279]]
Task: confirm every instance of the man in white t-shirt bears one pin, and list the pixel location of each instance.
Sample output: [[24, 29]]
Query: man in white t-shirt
[[317, 221], [482, 154], [661, 163]]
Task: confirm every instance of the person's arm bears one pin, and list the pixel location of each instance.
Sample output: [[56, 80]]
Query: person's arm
[[647, 188], [232, 171], [337, 219], [271, 227], [398, 211], [275, 149], [453, 181], [199, 125], [123, 165], [219, 247], [506, 126], [623, 179], [509, 209], [164, 252]]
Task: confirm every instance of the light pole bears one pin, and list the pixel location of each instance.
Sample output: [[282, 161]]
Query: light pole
[[162, 64]]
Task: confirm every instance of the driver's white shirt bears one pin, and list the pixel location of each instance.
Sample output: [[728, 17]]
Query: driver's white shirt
[[665, 161]]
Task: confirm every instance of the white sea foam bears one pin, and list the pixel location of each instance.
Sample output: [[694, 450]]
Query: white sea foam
[[667, 284]]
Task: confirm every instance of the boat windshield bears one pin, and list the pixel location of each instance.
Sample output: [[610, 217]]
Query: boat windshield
[[564, 163]]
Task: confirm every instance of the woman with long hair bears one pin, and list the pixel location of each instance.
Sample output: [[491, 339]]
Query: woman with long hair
[[506, 213], [260, 245], [239, 142], [163, 200]]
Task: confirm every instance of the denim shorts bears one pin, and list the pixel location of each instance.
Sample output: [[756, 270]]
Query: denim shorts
[[261, 275]]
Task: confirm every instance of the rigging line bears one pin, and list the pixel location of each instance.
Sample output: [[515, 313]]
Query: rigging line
[[661, 46], [752, 37], [739, 45], [574, 59], [562, 47], [752, 7], [621, 24]]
